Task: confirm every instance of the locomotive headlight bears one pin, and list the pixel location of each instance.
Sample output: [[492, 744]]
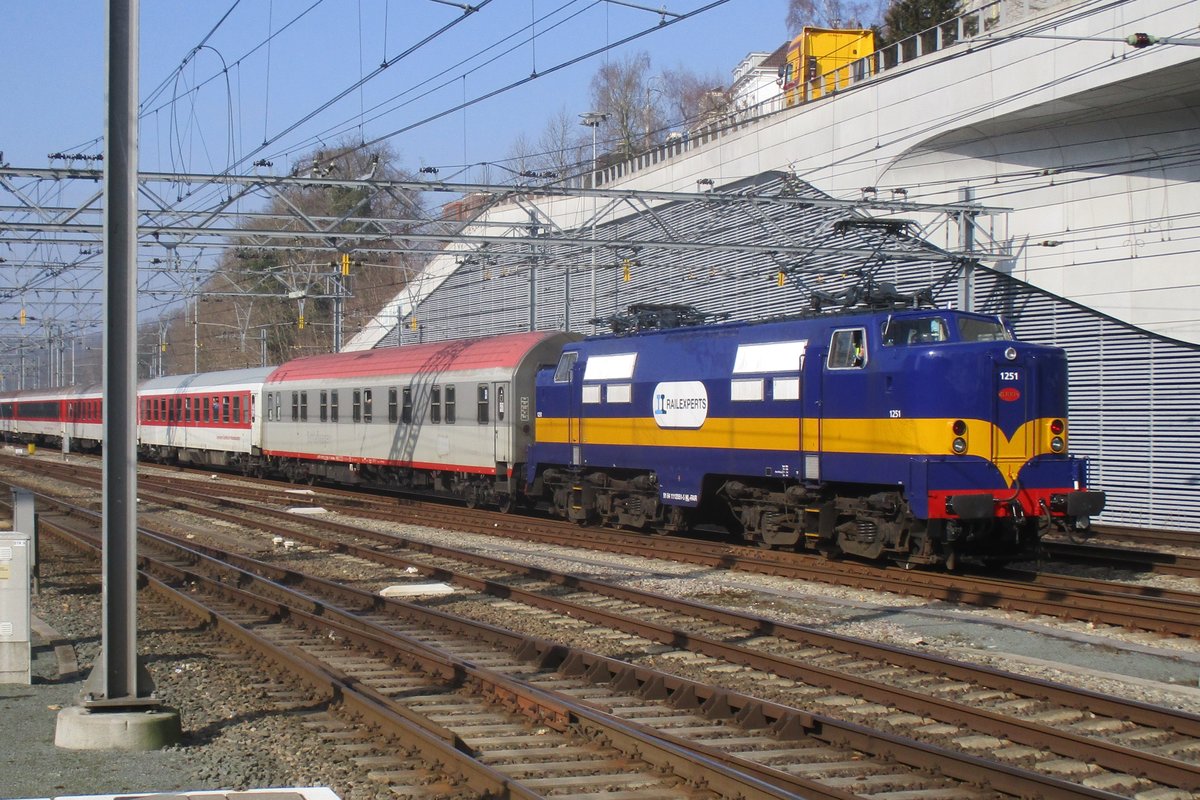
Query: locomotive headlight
[[959, 445], [1010, 353], [1057, 444]]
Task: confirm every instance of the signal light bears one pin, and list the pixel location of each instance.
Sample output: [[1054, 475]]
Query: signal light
[[1057, 427], [959, 427]]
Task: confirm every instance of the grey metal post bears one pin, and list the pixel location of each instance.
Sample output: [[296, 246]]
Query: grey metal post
[[114, 680], [25, 521], [338, 290], [966, 244], [533, 259], [592, 119]]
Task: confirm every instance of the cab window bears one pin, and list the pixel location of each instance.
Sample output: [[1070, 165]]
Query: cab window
[[848, 349], [922, 330], [566, 364]]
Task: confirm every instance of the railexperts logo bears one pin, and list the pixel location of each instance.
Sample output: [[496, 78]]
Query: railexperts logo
[[680, 404]]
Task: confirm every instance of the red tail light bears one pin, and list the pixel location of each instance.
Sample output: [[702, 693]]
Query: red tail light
[[1057, 426]]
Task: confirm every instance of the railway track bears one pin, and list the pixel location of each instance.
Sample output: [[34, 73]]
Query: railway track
[[1093, 601], [820, 672]]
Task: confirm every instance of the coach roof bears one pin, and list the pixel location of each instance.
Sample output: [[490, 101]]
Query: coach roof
[[454, 355]]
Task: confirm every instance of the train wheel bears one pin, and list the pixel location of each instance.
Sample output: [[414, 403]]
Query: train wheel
[[505, 503]]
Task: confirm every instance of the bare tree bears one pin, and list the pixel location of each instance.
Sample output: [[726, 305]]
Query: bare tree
[[522, 155], [833, 13], [907, 17], [562, 144], [622, 90], [693, 99], [244, 306]]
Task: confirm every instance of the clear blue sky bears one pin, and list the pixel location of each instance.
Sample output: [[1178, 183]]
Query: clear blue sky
[[230, 96]]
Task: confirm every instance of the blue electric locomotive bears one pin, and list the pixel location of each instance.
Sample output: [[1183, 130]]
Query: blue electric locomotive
[[918, 435]]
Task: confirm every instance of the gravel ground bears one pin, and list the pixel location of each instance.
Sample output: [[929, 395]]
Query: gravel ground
[[233, 739]]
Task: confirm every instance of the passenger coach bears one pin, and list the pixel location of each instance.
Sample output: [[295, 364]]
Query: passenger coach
[[453, 417], [208, 419]]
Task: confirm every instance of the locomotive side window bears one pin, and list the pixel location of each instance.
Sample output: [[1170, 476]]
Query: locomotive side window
[[922, 330], [393, 406], [323, 414], [435, 405], [566, 363], [847, 349], [356, 405], [982, 330], [483, 414], [295, 406], [451, 409], [366, 405], [304, 406], [618, 393], [743, 390], [785, 389], [406, 406], [333, 405]]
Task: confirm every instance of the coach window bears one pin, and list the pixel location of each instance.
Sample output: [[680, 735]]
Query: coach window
[[847, 349], [367, 415], [451, 405], [566, 364], [356, 405], [304, 406], [406, 405], [324, 414], [484, 413], [295, 406], [333, 405], [237, 409], [435, 405], [393, 405]]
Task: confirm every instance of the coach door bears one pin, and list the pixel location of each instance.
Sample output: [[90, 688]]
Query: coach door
[[501, 424]]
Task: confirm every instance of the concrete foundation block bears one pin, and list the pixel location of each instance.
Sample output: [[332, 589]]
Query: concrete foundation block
[[78, 728]]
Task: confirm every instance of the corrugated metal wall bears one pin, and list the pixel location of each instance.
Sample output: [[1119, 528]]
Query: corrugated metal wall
[[1135, 398]]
